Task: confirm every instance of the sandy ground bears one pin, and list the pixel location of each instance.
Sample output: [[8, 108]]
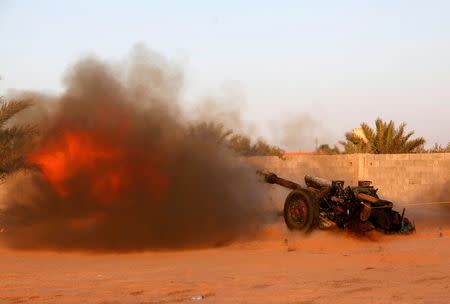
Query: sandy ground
[[281, 267]]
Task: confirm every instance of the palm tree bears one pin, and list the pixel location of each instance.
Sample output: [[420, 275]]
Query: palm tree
[[240, 144], [14, 140], [386, 138], [210, 131], [327, 150]]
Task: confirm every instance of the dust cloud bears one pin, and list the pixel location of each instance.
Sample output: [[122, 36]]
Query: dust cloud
[[121, 170]]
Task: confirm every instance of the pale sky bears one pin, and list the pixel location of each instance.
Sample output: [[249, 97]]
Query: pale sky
[[337, 62]]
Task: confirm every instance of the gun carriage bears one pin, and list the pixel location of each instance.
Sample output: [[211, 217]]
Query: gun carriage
[[323, 203]]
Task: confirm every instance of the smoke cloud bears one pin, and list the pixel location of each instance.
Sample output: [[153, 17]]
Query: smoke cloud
[[299, 132], [121, 170]]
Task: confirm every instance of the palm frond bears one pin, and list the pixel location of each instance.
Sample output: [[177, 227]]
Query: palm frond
[[388, 144], [14, 140], [413, 145], [10, 109], [398, 138]]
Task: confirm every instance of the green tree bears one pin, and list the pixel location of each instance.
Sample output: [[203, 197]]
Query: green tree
[[14, 140], [210, 131], [326, 149], [385, 138], [439, 149], [240, 144]]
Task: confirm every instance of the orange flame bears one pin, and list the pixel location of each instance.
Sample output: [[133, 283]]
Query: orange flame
[[80, 154]]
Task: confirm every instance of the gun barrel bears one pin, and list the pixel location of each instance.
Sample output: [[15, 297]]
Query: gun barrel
[[272, 178], [317, 182]]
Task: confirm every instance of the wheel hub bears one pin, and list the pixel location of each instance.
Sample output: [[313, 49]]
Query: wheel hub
[[298, 212]]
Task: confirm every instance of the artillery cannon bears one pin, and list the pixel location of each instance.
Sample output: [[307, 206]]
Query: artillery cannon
[[323, 203]]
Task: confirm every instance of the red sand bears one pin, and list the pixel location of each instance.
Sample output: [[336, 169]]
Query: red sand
[[282, 267]]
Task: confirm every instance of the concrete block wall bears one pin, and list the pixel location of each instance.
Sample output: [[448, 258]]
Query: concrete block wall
[[410, 177], [405, 178]]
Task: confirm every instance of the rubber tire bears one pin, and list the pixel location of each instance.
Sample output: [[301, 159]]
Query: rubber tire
[[312, 217]]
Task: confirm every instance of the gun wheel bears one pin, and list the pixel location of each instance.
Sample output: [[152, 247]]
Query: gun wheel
[[300, 211]]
